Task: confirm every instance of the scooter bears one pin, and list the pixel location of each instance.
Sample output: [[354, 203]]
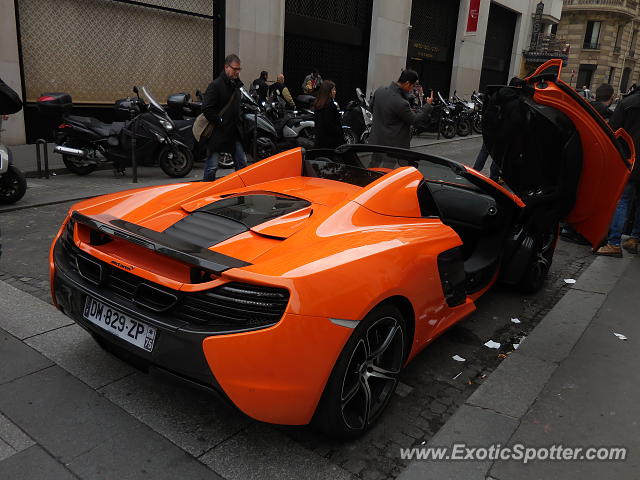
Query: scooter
[[13, 184], [358, 117], [85, 142], [276, 131]]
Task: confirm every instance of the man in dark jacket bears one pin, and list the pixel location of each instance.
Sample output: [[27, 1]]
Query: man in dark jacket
[[221, 106], [604, 99], [260, 85], [627, 116], [392, 115]]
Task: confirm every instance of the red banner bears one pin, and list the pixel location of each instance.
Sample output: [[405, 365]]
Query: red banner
[[474, 13]]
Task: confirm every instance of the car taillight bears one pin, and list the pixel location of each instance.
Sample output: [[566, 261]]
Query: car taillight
[[45, 98]]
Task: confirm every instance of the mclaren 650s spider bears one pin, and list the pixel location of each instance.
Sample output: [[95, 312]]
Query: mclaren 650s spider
[[298, 287]]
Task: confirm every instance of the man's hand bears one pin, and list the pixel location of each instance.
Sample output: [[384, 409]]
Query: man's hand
[[430, 99]]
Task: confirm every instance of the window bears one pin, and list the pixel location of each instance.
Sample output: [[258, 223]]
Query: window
[[632, 47], [624, 82], [612, 72], [592, 35], [554, 29], [585, 73], [616, 48]]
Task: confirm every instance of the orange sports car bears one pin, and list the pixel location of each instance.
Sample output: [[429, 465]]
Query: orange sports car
[[299, 286]]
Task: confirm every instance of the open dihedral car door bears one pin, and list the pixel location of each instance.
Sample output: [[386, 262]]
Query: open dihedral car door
[[557, 153], [607, 158]]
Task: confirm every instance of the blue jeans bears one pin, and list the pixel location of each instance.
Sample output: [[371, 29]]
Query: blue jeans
[[620, 216], [481, 159], [211, 164]]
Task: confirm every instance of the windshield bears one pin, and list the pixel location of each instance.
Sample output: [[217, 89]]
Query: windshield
[[360, 165], [148, 98], [246, 96]]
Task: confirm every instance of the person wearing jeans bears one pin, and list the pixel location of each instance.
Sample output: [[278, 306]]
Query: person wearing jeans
[[612, 249], [221, 107], [211, 164], [481, 159], [627, 116]]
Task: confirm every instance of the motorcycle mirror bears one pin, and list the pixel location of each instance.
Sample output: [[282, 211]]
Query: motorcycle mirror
[[198, 93], [135, 89], [359, 92]]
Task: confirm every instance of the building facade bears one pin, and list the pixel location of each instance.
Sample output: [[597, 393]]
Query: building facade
[[603, 38], [98, 49]]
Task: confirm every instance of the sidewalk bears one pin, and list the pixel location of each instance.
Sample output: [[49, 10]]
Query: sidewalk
[[571, 383]]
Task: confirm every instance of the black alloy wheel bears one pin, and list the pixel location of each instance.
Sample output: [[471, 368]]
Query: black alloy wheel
[[13, 185], [365, 376], [536, 274], [176, 161]]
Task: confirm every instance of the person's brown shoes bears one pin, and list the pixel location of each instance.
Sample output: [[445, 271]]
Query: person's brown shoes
[[609, 251], [631, 245]]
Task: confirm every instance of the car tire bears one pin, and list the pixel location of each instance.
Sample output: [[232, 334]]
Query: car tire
[[176, 162], [77, 165], [536, 274], [365, 376], [13, 185]]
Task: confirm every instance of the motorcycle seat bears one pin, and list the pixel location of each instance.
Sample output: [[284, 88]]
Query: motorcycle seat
[[100, 128]]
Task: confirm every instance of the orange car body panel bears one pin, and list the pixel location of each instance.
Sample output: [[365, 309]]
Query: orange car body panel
[[592, 213], [278, 374]]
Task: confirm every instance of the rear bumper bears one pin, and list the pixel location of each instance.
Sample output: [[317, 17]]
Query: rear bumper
[[274, 375]]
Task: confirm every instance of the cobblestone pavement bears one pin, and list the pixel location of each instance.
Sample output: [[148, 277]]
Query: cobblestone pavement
[[433, 385]]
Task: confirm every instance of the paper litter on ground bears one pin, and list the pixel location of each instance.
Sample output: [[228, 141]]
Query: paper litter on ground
[[515, 320], [492, 344], [570, 281], [620, 336], [458, 358]]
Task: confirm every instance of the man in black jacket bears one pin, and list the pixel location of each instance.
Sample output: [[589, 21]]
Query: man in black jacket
[[392, 114], [627, 116], [221, 106], [260, 85], [604, 99]]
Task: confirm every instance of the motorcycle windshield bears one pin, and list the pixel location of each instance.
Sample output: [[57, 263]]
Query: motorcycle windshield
[[148, 98]]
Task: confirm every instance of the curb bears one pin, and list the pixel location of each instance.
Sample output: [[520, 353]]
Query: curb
[[448, 140], [494, 411]]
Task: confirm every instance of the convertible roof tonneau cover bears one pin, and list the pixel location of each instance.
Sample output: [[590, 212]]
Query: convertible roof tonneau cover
[[162, 243]]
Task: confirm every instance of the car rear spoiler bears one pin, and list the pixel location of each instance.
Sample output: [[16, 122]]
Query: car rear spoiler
[[162, 243]]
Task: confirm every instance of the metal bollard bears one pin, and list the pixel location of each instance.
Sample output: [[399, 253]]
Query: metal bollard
[[42, 142]]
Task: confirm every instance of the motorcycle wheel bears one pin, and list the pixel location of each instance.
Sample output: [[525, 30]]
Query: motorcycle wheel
[[225, 160], [349, 136], [176, 162], [477, 124], [265, 148], [448, 130], [464, 127], [365, 137], [13, 185], [78, 165]]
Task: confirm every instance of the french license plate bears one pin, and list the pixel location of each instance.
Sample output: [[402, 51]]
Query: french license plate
[[135, 332]]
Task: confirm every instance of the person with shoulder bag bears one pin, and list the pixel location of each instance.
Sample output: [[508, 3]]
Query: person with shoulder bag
[[221, 109]]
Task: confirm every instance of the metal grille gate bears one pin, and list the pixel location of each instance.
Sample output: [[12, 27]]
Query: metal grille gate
[[98, 49], [432, 41], [332, 35]]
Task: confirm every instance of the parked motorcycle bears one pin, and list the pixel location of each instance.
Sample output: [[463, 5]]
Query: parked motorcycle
[[441, 119], [358, 117], [85, 142], [277, 128], [13, 184]]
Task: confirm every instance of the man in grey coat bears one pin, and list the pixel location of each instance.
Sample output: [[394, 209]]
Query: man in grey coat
[[392, 115]]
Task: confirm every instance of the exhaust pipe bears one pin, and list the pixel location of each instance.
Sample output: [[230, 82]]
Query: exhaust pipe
[[76, 152]]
